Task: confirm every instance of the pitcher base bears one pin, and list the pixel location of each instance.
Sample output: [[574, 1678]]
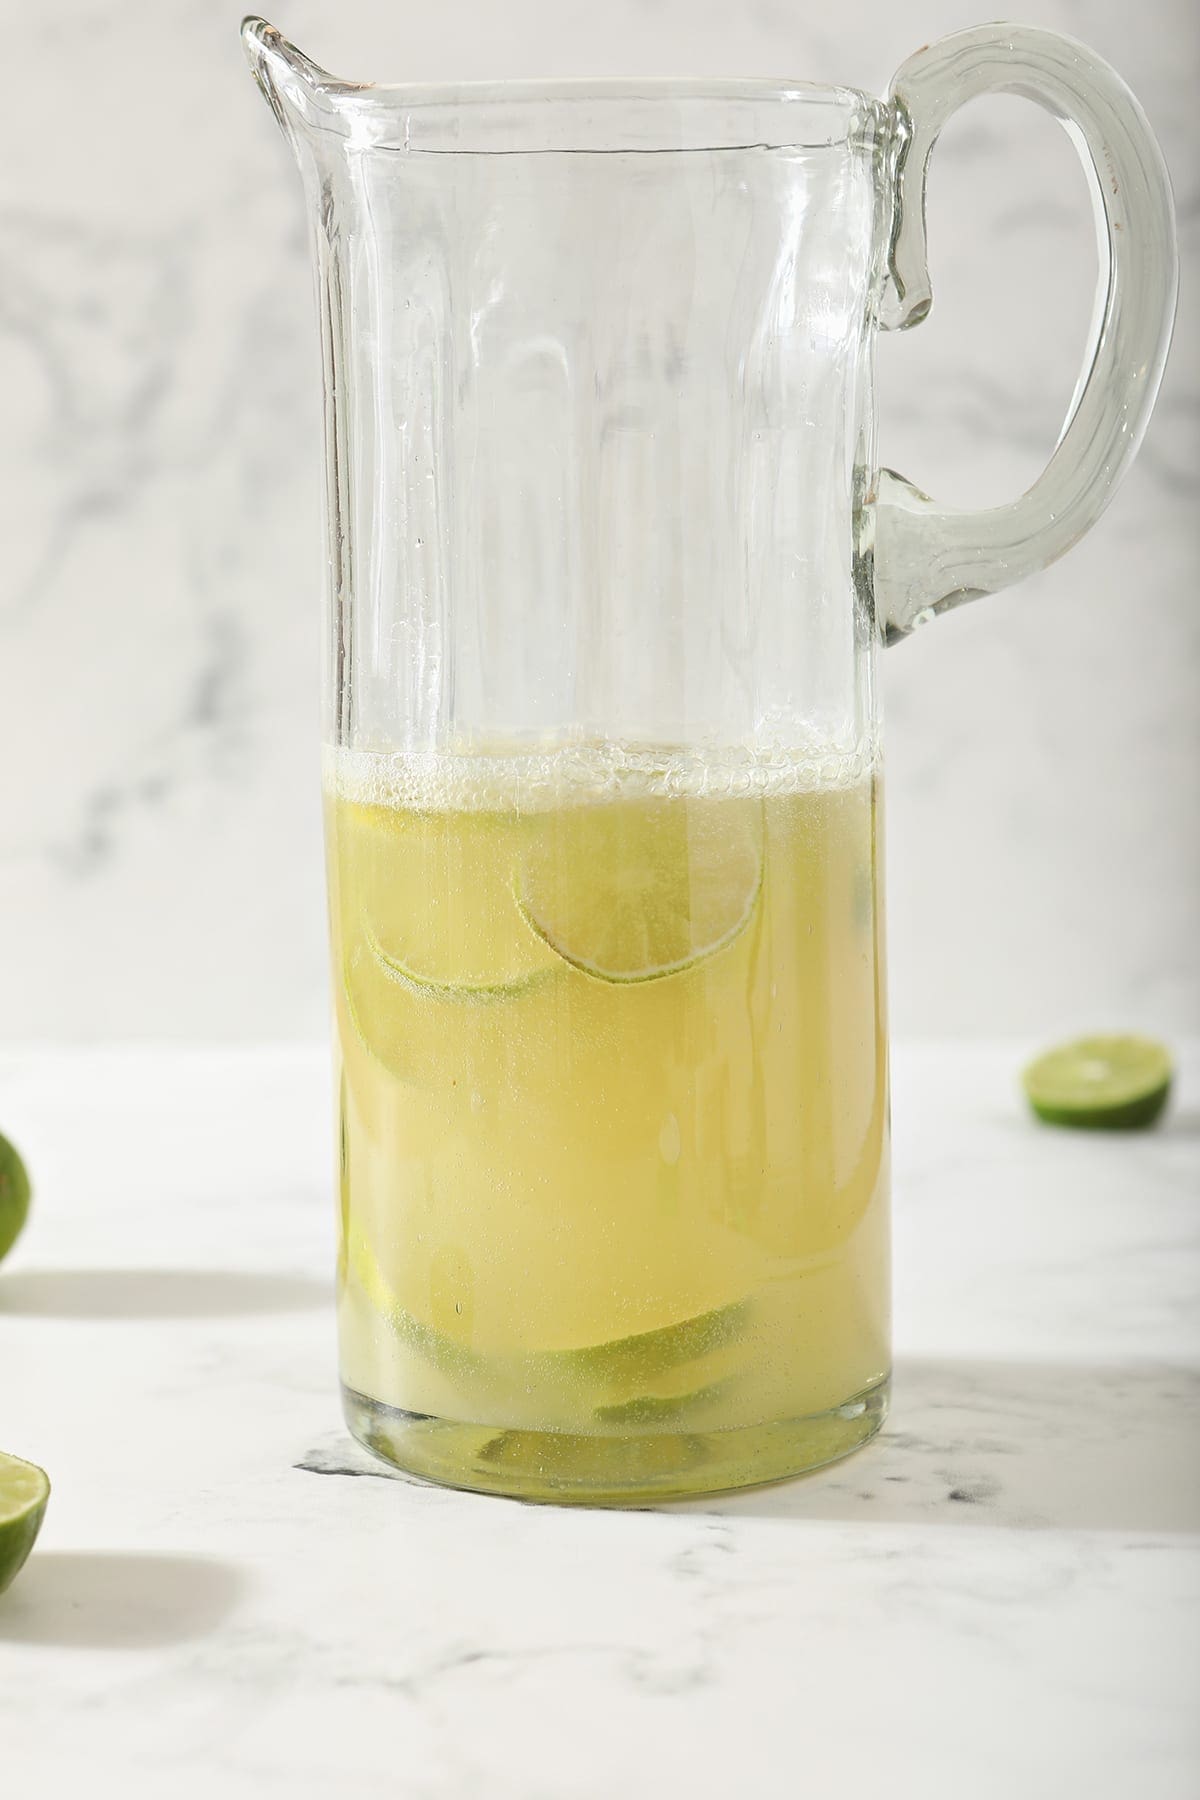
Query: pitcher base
[[564, 1469]]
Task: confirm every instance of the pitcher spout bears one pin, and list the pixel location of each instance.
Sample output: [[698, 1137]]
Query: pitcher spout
[[303, 96]]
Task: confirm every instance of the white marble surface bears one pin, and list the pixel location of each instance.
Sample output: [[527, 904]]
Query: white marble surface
[[160, 495], [998, 1598]]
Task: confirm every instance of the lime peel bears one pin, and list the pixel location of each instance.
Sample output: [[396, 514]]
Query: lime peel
[[663, 1409]]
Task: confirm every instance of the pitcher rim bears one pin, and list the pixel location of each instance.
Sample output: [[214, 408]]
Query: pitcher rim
[[264, 42]]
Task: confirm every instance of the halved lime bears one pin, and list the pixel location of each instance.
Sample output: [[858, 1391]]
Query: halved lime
[[14, 1196], [634, 890], [1115, 1083], [24, 1490]]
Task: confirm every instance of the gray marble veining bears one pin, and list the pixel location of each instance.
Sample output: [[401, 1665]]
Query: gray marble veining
[[160, 503]]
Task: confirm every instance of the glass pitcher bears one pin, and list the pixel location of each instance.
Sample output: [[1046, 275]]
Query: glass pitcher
[[609, 558]]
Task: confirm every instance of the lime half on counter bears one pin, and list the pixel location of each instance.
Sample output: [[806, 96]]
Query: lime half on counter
[[24, 1490], [1100, 1083], [14, 1196]]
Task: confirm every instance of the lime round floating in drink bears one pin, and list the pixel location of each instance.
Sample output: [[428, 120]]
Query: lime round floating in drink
[[437, 907], [24, 1490], [1114, 1083], [639, 890], [14, 1196]]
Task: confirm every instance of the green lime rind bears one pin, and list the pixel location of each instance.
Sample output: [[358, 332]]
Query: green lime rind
[[24, 1491], [439, 1351], [630, 893], [15, 1193], [662, 1409], [615, 1365], [1104, 1083], [649, 1353], [624, 1370], [1134, 1115], [632, 977], [380, 1011], [500, 987]]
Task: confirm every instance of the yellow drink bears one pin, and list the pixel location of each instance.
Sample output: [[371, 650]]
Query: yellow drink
[[614, 1209]]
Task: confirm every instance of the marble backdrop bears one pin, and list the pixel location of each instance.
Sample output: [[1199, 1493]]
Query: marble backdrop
[[160, 516]]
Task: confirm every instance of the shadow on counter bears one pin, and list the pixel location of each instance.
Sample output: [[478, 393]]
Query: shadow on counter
[[1024, 1446], [156, 1293], [90, 1600]]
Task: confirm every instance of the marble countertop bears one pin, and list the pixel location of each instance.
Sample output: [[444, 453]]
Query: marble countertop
[[998, 1598]]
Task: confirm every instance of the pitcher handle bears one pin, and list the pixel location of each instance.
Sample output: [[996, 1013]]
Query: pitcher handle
[[928, 557]]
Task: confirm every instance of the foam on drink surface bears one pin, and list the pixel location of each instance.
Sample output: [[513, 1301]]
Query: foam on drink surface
[[528, 778]]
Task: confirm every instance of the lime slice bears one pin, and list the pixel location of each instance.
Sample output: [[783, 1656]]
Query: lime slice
[[632, 1378], [631, 1361], [1104, 1083], [24, 1490], [439, 1351], [663, 1409], [503, 984], [634, 890], [431, 894], [14, 1196]]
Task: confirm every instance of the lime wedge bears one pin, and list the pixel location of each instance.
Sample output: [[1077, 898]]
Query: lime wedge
[[1102, 1083], [14, 1196], [24, 1490], [634, 890]]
